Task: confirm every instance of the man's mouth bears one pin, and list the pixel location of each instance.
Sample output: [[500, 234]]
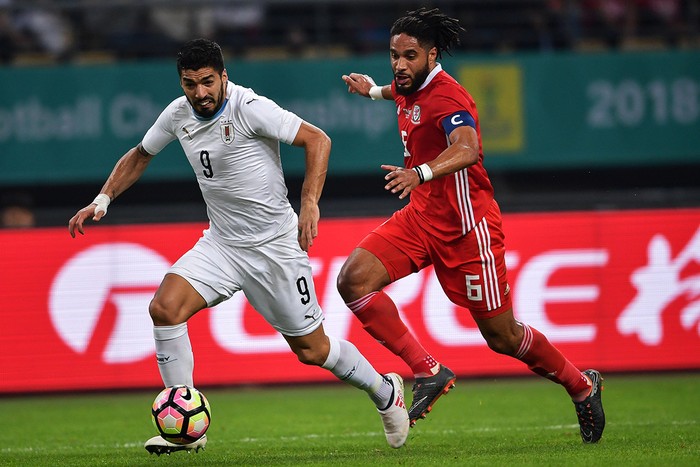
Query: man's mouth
[[206, 103], [402, 80]]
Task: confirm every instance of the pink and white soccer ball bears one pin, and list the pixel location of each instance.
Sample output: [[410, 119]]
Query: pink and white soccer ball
[[181, 414]]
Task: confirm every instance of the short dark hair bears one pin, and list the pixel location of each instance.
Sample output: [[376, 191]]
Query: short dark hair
[[432, 28], [200, 53]]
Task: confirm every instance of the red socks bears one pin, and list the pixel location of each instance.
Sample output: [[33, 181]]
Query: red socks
[[380, 318], [545, 360]]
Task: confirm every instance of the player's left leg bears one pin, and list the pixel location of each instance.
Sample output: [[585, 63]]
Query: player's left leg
[[361, 282], [479, 282], [342, 358], [279, 285], [507, 336]]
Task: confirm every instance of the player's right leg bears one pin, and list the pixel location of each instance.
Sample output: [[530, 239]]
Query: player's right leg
[[360, 283], [158, 445], [175, 301], [204, 276], [427, 390]]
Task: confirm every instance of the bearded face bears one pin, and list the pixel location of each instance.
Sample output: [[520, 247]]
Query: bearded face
[[205, 90], [410, 62]]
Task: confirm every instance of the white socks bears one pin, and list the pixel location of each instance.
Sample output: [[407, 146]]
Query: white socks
[[176, 363], [174, 354], [349, 365]]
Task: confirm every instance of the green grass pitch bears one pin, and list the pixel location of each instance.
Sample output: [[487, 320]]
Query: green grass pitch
[[652, 420]]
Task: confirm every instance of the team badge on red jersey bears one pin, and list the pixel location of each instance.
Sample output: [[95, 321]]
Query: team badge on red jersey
[[415, 114], [226, 132]]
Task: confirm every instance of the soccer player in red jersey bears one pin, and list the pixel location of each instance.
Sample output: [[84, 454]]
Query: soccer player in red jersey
[[452, 221]]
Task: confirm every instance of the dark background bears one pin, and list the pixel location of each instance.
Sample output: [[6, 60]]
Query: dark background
[[138, 31]]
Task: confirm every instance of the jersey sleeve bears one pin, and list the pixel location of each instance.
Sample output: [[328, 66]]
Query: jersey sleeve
[[454, 110], [265, 118], [161, 133]]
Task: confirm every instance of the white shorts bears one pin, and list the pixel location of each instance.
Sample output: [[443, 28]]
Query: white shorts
[[275, 277]]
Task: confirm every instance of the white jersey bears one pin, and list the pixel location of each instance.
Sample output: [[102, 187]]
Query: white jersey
[[236, 157]]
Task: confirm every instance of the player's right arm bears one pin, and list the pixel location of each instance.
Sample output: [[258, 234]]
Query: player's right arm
[[125, 173], [364, 85]]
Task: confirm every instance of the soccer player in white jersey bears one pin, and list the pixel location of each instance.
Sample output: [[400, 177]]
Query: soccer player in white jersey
[[255, 241]]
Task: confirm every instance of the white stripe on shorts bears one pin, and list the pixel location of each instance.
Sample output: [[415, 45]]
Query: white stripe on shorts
[[488, 266]]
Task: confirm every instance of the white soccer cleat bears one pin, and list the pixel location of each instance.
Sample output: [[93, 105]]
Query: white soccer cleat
[[158, 445], [395, 418]]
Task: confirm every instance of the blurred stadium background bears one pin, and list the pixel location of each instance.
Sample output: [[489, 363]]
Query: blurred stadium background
[[586, 106], [67, 41]]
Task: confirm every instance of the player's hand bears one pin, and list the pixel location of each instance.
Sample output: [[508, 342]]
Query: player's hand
[[358, 83], [76, 222], [400, 180], [309, 215]]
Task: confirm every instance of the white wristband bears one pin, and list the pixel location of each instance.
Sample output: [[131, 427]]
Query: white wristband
[[102, 201], [375, 92], [426, 171]]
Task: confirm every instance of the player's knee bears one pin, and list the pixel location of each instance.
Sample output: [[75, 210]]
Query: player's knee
[[310, 356], [352, 283], [502, 344], [163, 315], [345, 284]]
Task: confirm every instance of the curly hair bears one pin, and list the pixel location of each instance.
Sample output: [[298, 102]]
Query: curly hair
[[200, 53], [432, 28]]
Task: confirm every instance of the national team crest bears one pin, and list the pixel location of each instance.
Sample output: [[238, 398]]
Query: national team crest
[[226, 132], [415, 115]]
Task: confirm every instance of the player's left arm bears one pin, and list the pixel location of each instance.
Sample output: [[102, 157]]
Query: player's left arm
[[462, 152], [317, 147]]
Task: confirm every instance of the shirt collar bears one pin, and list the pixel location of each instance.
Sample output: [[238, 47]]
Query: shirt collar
[[436, 70], [216, 115], [229, 85]]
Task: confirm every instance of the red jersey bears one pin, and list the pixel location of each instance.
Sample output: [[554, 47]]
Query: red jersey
[[450, 206]]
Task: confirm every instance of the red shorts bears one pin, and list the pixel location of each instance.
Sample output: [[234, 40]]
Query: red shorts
[[471, 269]]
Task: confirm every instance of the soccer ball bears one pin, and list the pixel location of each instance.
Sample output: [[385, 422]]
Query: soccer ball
[[181, 414]]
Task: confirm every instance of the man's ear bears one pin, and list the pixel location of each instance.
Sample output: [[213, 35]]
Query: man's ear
[[432, 55]]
